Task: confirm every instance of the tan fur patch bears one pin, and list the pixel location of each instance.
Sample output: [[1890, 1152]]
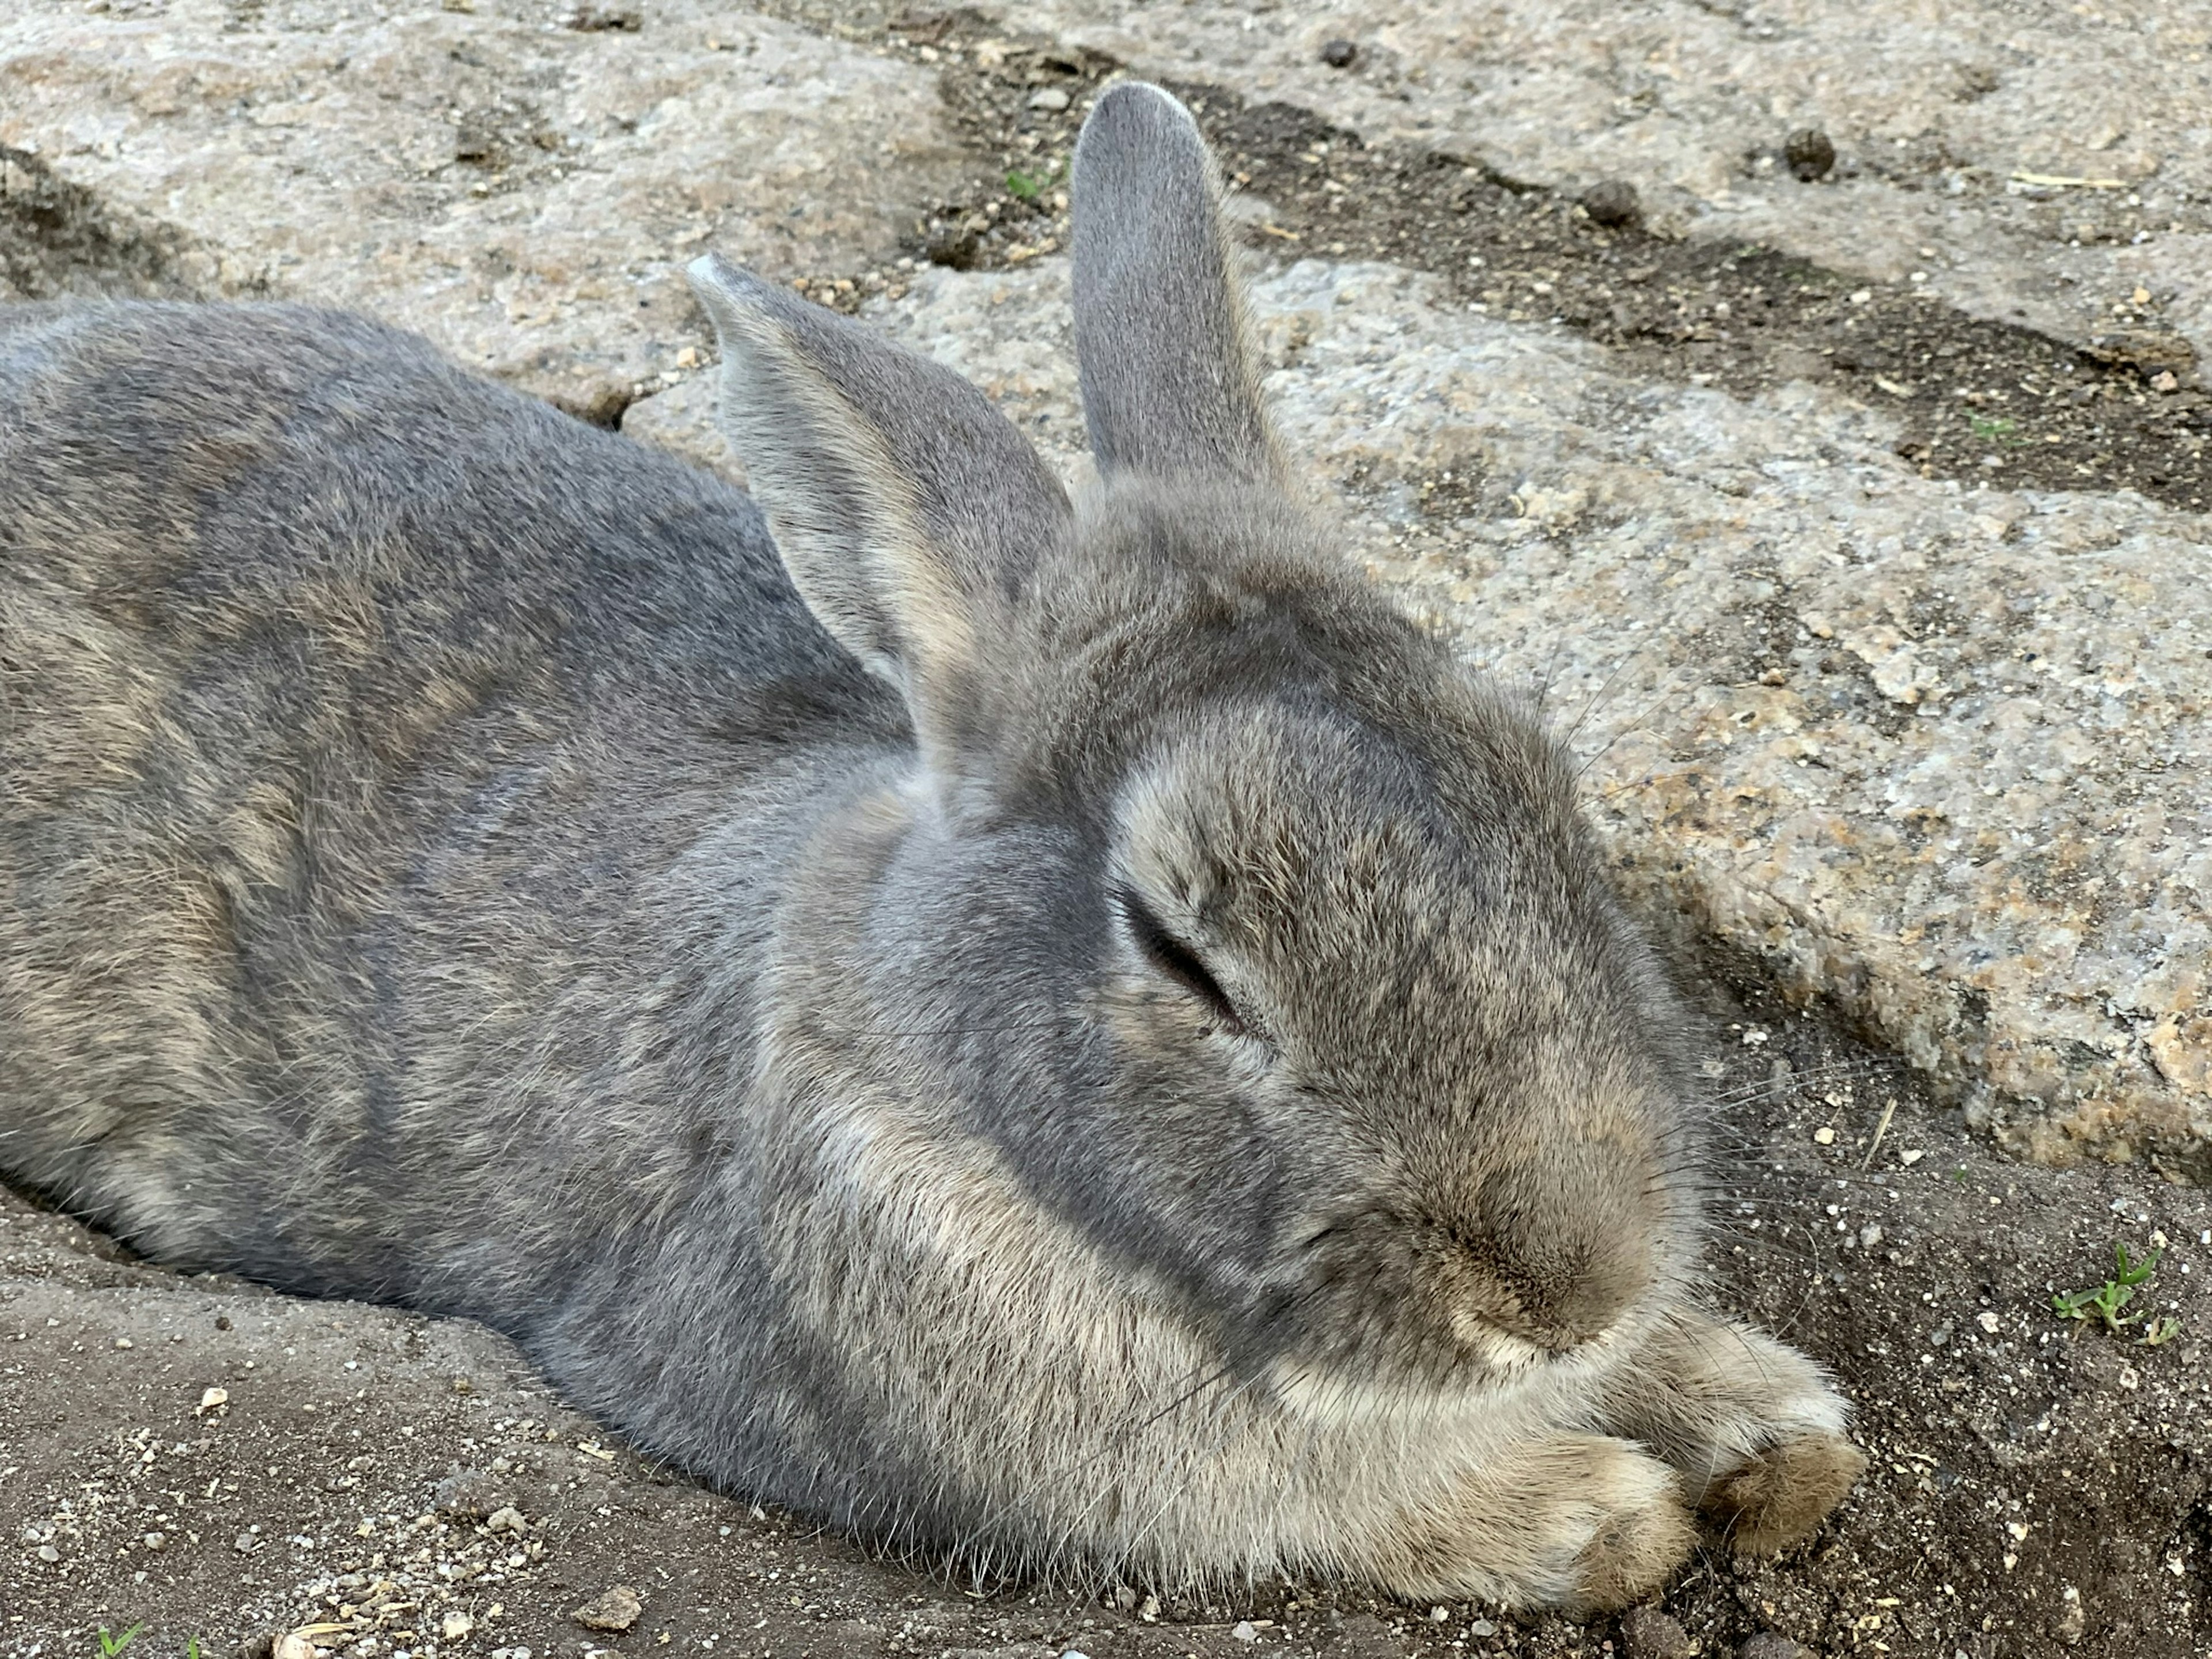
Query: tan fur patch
[[1782, 1494]]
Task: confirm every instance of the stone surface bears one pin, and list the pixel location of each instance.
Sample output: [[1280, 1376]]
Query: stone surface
[[1945, 116], [1934, 754], [524, 193]]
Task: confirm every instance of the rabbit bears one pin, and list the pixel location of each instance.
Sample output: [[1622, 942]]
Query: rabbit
[[1059, 1038]]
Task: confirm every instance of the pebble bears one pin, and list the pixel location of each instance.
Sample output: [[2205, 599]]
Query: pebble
[[1810, 152], [1339, 54], [1052, 98], [1613, 201], [1648, 1633], [1769, 1645], [211, 1400], [617, 1610], [1245, 1630]]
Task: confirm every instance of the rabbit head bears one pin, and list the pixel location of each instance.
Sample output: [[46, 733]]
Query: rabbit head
[[1260, 941]]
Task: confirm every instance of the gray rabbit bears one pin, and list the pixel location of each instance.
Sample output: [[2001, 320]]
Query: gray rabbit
[[1072, 1039]]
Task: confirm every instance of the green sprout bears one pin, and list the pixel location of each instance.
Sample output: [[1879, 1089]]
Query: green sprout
[[1994, 428], [1031, 185], [112, 1645], [2109, 1300]]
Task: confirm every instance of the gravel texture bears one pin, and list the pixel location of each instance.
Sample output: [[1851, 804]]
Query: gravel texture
[[524, 191], [1958, 127]]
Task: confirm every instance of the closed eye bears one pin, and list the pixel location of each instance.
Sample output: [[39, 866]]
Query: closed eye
[[1172, 957]]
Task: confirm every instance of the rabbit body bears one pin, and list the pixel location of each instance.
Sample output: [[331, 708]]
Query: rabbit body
[[1077, 1037]]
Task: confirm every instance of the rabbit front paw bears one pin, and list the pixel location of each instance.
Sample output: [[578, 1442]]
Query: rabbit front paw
[[1781, 1494], [1633, 1551], [1586, 1522], [1752, 1425]]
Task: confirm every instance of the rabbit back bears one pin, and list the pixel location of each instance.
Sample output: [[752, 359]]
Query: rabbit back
[[358, 715]]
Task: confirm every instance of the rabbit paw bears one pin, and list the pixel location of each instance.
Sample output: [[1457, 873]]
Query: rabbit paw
[[1781, 1494], [1634, 1550], [1586, 1522]]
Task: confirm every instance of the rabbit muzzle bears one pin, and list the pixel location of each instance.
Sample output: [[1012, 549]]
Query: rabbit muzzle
[[1542, 1262]]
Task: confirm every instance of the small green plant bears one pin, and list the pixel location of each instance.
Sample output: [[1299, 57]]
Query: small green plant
[[1031, 185], [2109, 1300], [112, 1645], [1994, 428]]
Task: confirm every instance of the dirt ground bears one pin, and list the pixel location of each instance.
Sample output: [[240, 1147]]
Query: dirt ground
[[210, 1463]]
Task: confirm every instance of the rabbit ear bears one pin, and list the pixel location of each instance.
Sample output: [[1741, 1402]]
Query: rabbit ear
[[906, 509], [1168, 379]]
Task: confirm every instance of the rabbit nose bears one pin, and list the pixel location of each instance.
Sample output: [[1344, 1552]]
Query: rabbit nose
[[1561, 1246]]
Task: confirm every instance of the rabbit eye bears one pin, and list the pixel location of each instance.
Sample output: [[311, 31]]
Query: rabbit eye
[[1172, 957]]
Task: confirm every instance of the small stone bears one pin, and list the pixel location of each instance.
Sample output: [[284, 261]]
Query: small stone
[[2165, 380], [616, 1611], [1825, 1136], [1988, 1321], [467, 1494], [1769, 1645], [1613, 201], [1245, 1630], [123, 1342], [1648, 1633], [1810, 152], [1482, 1627], [294, 1645], [222, 1322], [1051, 100], [1339, 53], [155, 1541], [212, 1399], [1439, 1615], [507, 1518], [456, 1625], [48, 1554]]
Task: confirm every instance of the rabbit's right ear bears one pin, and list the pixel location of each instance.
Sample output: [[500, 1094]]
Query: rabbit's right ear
[[906, 509], [1169, 384]]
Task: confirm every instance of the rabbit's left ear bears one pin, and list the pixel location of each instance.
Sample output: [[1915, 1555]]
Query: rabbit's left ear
[[907, 510], [1170, 386]]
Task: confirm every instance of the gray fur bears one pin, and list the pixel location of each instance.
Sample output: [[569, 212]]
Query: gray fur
[[1151, 1078], [1169, 385]]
